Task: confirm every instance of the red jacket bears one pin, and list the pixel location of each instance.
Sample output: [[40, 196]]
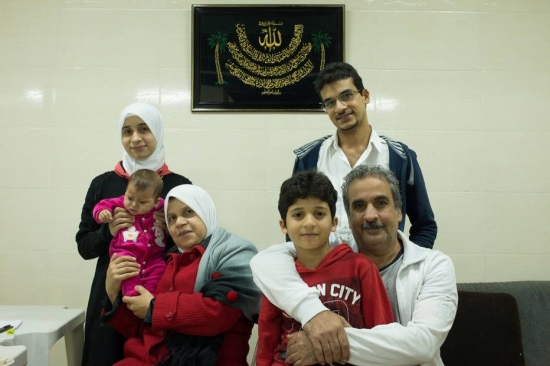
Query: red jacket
[[182, 311]]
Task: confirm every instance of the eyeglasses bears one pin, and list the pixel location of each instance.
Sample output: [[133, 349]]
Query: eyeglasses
[[343, 98]]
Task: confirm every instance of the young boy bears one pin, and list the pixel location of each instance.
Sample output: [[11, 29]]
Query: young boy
[[348, 283], [142, 240]]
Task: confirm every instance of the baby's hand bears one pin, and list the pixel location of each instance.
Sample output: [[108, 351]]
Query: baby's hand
[[105, 216]]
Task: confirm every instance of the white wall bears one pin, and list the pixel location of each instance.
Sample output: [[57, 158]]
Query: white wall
[[465, 83]]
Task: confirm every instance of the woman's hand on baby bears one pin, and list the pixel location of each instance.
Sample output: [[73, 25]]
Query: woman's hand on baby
[[120, 269], [121, 219], [160, 220], [139, 304]]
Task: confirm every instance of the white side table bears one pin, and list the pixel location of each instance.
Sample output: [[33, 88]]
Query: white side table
[[18, 353], [42, 327]]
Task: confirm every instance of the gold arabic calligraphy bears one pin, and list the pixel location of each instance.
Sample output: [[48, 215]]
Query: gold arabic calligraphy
[[252, 66], [270, 41], [273, 83]]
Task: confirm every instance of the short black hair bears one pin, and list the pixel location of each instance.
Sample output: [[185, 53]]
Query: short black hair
[[337, 71], [307, 184]]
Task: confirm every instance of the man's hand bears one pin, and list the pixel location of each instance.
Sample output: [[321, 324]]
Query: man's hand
[[139, 304], [329, 340], [121, 219], [299, 351]]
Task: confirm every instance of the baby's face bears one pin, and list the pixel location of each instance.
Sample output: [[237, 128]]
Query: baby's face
[[138, 202]]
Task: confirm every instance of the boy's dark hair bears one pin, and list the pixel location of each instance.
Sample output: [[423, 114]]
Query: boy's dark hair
[[303, 185], [146, 179], [337, 71]]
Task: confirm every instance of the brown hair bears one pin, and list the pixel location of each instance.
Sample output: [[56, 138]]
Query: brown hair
[[146, 179]]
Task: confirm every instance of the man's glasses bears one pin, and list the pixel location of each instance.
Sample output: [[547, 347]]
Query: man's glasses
[[344, 97]]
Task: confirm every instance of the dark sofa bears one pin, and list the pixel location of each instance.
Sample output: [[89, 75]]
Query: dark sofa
[[500, 324]]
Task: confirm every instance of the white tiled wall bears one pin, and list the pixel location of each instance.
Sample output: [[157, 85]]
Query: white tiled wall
[[466, 83]]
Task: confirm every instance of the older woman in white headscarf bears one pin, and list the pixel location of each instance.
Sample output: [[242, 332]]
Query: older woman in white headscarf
[[206, 301], [142, 137]]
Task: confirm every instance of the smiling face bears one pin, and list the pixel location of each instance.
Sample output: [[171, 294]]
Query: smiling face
[[138, 202], [309, 224], [373, 216], [137, 139], [185, 226], [346, 116]]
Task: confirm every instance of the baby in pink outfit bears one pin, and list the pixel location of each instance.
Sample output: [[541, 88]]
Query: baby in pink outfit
[[143, 240]]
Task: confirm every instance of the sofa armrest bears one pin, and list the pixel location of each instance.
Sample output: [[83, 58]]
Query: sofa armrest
[[486, 331], [533, 299]]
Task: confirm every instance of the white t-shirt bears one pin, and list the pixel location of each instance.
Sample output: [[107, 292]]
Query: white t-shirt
[[334, 163]]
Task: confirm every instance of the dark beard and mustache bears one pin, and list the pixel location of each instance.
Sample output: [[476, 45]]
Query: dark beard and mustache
[[350, 127]]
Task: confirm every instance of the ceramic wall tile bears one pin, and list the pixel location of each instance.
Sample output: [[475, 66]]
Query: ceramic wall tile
[[450, 161], [30, 150], [92, 98], [512, 218], [515, 267], [27, 37], [428, 100], [34, 4], [515, 100], [176, 43], [428, 5], [26, 97], [533, 6], [469, 267], [361, 39], [17, 261], [111, 4], [515, 41], [257, 221], [79, 155], [427, 41], [26, 222], [73, 277], [461, 222], [227, 167], [108, 38], [511, 159]]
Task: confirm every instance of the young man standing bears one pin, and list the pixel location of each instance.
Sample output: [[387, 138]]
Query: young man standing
[[344, 99]]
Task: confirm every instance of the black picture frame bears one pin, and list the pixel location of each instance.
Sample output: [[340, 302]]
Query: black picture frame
[[249, 58]]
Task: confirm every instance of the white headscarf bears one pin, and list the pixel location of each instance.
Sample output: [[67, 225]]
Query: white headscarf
[[197, 199], [151, 116]]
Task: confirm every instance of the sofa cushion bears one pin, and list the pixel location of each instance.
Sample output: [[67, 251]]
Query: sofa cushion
[[533, 299], [486, 332]]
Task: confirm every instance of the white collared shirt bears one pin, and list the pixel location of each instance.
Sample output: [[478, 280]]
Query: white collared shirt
[[334, 163]]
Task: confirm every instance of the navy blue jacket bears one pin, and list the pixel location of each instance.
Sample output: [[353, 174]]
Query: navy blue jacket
[[414, 196]]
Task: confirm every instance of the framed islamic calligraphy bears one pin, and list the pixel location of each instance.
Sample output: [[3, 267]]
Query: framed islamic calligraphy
[[249, 58]]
